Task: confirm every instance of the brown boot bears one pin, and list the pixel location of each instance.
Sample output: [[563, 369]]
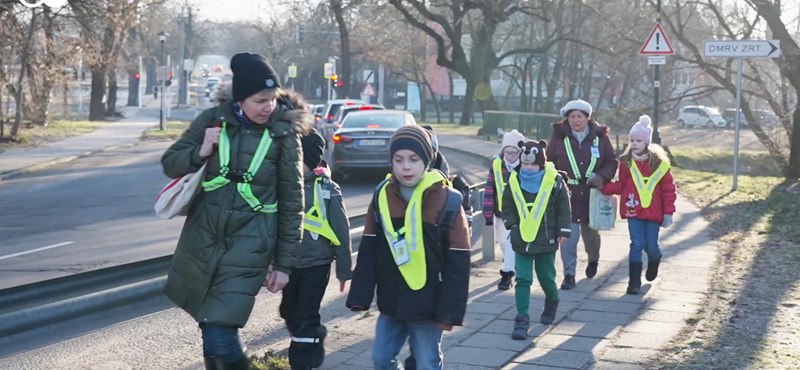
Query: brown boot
[[549, 313], [506, 280]]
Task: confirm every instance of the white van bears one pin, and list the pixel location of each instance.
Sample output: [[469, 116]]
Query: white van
[[700, 115]]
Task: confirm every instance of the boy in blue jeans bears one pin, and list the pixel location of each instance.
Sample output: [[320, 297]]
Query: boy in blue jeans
[[415, 250]]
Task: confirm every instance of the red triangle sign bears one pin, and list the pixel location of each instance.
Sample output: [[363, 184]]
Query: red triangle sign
[[656, 43]]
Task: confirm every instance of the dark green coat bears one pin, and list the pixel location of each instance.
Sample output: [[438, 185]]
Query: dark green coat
[[556, 221], [225, 248]]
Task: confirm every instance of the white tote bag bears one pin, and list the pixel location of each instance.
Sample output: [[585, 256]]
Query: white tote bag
[[602, 210], [175, 199]]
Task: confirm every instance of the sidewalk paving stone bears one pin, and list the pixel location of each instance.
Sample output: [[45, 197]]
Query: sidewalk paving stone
[[627, 354], [478, 356], [585, 329], [572, 343], [599, 316], [499, 341], [555, 357], [642, 340]]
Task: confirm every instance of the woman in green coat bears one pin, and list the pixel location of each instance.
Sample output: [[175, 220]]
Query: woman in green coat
[[244, 228]]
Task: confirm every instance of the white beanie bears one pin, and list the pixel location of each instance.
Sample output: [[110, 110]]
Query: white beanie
[[642, 130], [511, 139], [580, 105]]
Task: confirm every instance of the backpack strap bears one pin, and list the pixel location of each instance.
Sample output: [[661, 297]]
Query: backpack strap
[[448, 215]]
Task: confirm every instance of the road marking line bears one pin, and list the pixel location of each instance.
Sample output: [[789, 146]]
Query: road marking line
[[35, 250]]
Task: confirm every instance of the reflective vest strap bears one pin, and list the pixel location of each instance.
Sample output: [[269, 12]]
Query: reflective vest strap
[[414, 271], [223, 152], [316, 219], [499, 183], [243, 188], [530, 219], [576, 171], [645, 186]]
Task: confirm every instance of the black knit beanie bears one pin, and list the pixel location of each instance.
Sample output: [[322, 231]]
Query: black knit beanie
[[313, 145], [415, 139], [251, 74]]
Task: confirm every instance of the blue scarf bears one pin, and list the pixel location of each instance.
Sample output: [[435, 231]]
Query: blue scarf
[[530, 180], [239, 112]]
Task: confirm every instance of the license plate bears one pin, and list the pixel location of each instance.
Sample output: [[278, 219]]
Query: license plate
[[373, 142]]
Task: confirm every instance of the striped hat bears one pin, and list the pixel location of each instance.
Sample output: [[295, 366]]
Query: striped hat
[[415, 139]]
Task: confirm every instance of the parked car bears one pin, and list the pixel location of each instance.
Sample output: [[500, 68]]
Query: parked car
[[347, 109], [210, 83], [362, 142], [730, 117], [331, 107], [763, 117], [700, 115]]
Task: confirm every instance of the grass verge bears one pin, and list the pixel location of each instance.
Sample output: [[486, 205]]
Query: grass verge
[[270, 361], [173, 130], [750, 319], [452, 128], [757, 163], [56, 130]]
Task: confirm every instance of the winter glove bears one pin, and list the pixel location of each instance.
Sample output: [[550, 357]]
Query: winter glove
[[667, 221], [595, 180]]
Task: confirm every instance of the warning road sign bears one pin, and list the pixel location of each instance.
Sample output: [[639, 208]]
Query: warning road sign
[[656, 43], [368, 90]]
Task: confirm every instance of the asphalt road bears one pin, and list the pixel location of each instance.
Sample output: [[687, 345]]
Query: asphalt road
[[97, 212]]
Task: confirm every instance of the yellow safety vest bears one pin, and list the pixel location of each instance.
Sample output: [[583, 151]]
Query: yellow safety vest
[[576, 171], [316, 219], [645, 186], [499, 182], [243, 187], [409, 239], [531, 214]]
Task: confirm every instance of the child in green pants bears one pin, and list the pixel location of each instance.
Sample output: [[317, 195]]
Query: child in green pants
[[536, 211]]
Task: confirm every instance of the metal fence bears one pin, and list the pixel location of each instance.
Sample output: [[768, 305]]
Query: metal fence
[[534, 125]]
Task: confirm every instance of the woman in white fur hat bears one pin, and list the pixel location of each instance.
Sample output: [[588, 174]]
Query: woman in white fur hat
[[581, 147], [502, 165], [648, 205]]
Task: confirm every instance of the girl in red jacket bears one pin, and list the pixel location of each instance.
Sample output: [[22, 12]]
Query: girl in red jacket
[[647, 199]]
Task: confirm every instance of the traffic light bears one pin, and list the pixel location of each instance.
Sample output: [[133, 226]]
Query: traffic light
[[301, 34], [168, 82], [136, 75], [339, 83]]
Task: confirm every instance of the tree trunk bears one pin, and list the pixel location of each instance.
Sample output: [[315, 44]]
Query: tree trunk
[[133, 89], [25, 55], [111, 103], [792, 171], [466, 110], [97, 111], [344, 38]]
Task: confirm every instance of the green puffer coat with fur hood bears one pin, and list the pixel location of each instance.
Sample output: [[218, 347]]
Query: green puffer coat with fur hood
[[225, 248]]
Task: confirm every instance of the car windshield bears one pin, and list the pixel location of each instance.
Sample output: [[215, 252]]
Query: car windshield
[[713, 111], [374, 121]]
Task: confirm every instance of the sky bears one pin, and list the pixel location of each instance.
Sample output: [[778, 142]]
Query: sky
[[234, 10]]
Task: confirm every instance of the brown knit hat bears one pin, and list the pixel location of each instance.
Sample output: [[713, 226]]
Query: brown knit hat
[[415, 139]]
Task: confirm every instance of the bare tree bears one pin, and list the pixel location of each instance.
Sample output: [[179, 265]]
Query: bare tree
[[690, 22], [480, 20]]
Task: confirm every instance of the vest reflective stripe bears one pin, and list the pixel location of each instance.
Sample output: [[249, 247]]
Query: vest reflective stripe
[[244, 189], [645, 186], [499, 182], [415, 270], [576, 171], [531, 214], [316, 219]]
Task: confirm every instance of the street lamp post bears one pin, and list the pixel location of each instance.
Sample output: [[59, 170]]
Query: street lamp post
[[162, 36]]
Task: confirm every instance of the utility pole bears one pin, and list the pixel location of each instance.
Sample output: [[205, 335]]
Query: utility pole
[[656, 86], [184, 86]]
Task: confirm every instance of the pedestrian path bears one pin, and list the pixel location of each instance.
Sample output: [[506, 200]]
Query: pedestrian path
[[111, 134], [598, 326]]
